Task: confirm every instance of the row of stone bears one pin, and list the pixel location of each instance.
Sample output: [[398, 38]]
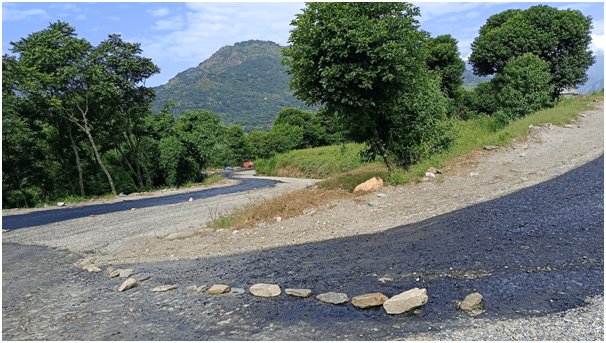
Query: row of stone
[[397, 304]]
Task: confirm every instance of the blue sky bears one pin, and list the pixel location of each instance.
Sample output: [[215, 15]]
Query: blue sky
[[177, 35]]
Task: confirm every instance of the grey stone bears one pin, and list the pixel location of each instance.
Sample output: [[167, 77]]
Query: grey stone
[[303, 293], [109, 270], [368, 300], [567, 126], [405, 301], [490, 147], [115, 273], [129, 283], [121, 195], [164, 288], [333, 298], [237, 291], [126, 272], [471, 302], [141, 277], [202, 288], [265, 290], [218, 289], [179, 235]]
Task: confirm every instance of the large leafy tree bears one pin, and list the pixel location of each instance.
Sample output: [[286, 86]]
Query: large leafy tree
[[559, 37], [365, 62], [444, 59]]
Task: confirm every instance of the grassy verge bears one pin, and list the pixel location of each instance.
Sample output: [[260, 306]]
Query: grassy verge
[[316, 163]]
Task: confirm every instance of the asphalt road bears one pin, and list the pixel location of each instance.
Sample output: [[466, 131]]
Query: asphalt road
[[532, 253], [53, 216]]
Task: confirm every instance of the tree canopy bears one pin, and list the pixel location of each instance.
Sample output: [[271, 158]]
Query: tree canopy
[[559, 37], [365, 62], [444, 59]]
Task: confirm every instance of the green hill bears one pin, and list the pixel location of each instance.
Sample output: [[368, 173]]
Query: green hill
[[244, 83]]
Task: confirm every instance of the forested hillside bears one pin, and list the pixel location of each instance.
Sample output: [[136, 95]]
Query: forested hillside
[[244, 84]]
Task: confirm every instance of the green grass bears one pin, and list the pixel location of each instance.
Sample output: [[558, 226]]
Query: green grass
[[316, 163], [344, 170]]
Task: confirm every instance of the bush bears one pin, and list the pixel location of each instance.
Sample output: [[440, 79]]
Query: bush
[[524, 87]]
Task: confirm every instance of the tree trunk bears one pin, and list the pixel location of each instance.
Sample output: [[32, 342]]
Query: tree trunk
[[92, 142], [80, 180], [381, 147], [129, 166], [135, 151]]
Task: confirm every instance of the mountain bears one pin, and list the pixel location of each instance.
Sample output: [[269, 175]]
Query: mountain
[[244, 84], [470, 81], [595, 75]]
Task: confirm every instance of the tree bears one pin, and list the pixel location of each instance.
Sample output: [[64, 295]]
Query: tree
[[302, 119], [364, 61], [559, 37], [444, 59], [524, 87]]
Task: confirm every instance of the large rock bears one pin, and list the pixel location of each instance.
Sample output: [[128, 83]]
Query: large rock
[[405, 301], [368, 300], [110, 270], [303, 293], [129, 283], [333, 298], [372, 185], [218, 289], [265, 290], [471, 302], [164, 288], [115, 273]]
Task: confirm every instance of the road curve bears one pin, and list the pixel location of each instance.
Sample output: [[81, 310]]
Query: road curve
[[59, 215], [532, 253]]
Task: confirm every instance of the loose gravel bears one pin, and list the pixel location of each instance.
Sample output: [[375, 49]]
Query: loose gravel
[[535, 253]]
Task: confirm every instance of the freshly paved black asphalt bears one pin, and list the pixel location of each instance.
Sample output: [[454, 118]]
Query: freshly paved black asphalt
[[58, 215], [534, 252]]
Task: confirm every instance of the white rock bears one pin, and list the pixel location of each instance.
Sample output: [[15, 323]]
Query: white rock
[[405, 301], [368, 300], [192, 288], [333, 298], [278, 219], [567, 126], [92, 269], [191, 199], [60, 204], [265, 290], [164, 288], [381, 195], [129, 283], [115, 273], [202, 288], [110, 270], [125, 272], [303, 293], [218, 289], [237, 291], [474, 174], [471, 301], [430, 174]]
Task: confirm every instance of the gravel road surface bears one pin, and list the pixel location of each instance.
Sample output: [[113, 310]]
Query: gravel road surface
[[532, 254], [522, 225]]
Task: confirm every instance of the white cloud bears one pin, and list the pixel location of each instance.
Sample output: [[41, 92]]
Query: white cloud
[[173, 24], [81, 17], [597, 42], [10, 13], [203, 28], [113, 18], [161, 12]]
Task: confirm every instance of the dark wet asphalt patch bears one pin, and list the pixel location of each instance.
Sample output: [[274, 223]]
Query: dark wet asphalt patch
[[53, 216]]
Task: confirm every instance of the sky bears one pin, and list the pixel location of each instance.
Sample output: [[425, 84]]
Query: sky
[[178, 35]]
